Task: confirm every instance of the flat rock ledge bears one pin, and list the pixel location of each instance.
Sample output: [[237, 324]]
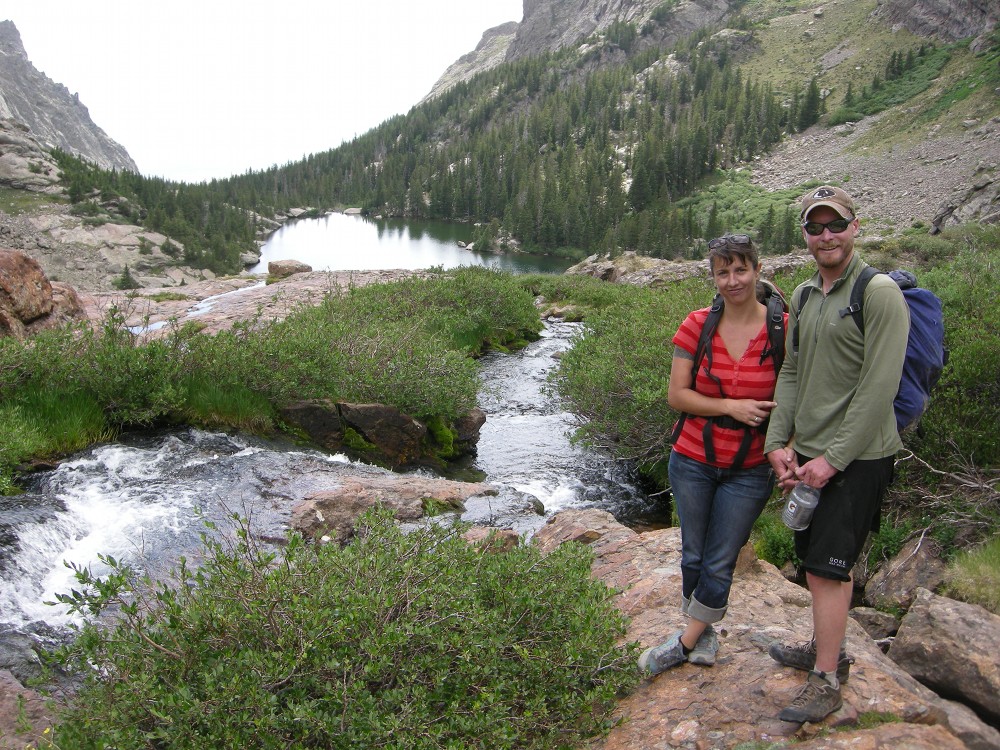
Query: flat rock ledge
[[737, 701]]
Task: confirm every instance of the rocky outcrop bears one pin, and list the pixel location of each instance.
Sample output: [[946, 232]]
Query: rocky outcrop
[[54, 116], [216, 304], [948, 20], [29, 303], [549, 25], [24, 162], [951, 647], [979, 202], [490, 52], [379, 433], [330, 515], [737, 701]]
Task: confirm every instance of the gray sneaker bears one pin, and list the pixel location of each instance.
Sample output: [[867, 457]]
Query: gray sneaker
[[661, 658], [803, 656], [816, 700], [705, 649]]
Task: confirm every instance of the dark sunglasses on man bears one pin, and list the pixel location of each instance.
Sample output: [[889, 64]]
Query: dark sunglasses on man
[[836, 226]]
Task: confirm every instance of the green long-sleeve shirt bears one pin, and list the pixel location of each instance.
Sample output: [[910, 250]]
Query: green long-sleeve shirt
[[835, 393]]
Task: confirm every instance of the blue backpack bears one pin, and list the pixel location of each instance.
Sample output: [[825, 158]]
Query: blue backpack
[[926, 354]]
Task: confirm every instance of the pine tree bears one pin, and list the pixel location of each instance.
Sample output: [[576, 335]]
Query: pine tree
[[811, 103], [126, 280]]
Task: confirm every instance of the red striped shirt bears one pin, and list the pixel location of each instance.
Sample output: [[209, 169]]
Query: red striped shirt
[[746, 377]]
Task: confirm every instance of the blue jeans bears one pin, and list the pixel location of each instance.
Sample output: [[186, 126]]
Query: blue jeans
[[717, 509]]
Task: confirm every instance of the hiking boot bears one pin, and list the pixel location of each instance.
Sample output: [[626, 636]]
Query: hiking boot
[[803, 656], [660, 658], [816, 700], [705, 649]]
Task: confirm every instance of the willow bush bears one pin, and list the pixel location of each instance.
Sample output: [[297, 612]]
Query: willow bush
[[616, 375], [403, 640], [408, 344]]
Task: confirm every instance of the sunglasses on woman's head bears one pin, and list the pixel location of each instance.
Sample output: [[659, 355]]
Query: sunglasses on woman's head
[[730, 239], [836, 226]]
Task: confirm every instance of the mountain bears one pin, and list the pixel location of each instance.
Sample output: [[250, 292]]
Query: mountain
[[53, 115], [602, 126], [550, 25]]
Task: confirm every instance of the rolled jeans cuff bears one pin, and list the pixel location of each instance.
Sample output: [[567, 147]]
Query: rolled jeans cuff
[[693, 608]]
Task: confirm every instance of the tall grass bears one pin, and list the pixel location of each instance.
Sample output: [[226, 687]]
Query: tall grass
[[974, 576]]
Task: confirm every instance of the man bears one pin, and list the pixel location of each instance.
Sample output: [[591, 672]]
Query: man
[[834, 429]]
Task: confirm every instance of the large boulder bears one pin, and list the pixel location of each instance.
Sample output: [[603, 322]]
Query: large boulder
[[738, 700], [397, 436], [28, 301], [281, 269], [917, 565], [330, 515], [25, 291], [951, 647], [25, 715]]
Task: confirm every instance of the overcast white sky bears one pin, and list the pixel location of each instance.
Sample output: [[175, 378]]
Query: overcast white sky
[[196, 89]]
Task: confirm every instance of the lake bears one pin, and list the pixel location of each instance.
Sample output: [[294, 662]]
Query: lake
[[343, 242]]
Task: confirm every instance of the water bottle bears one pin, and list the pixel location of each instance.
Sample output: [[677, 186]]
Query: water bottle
[[802, 501]]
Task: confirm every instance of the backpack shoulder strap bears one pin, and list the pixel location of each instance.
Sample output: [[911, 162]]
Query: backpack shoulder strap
[[856, 308], [775, 331], [803, 298], [701, 350], [711, 323]]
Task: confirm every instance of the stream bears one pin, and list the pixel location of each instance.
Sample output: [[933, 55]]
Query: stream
[[144, 499]]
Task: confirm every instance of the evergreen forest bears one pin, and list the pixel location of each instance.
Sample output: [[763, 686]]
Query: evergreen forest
[[603, 148], [566, 153]]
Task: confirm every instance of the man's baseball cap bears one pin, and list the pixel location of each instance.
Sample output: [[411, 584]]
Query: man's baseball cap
[[827, 195]]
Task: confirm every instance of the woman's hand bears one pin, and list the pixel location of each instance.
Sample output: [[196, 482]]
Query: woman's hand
[[749, 411]]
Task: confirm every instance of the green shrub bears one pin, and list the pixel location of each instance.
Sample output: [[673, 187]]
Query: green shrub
[[844, 114], [407, 345], [416, 640], [617, 372], [772, 540]]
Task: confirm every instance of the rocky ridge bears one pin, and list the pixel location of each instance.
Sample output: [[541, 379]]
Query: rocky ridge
[[490, 52], [944, 19], [54, 116], [549, 25], [85, 254]]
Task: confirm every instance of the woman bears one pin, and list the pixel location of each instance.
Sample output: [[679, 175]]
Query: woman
[[719, 475]]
